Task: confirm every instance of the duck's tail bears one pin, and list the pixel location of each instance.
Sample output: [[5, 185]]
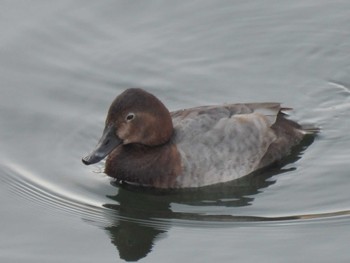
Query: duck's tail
[[305, 129], [309, 129], [289, 136]]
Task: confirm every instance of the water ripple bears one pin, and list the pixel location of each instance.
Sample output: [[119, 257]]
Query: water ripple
[[135, 205], [27, 185]]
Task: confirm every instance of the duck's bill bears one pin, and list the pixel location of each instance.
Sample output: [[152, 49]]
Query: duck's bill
[[106, 144]]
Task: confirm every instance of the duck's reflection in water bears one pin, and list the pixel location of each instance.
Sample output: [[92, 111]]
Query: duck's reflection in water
[[133, 240], [144, 215]]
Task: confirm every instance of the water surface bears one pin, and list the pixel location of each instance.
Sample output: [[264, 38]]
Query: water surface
[[61, 65]]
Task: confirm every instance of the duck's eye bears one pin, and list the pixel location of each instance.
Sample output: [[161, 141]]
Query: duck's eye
[[130, 117]]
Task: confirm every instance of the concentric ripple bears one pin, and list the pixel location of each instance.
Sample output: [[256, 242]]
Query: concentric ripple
[[27, 185], [156, 209]]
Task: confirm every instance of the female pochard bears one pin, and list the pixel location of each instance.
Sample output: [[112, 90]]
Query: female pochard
[[148, 145]]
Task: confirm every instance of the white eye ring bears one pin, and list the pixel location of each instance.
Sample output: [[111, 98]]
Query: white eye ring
[[130, 116]]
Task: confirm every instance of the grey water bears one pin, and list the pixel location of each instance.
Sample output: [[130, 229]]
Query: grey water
[[63, 62]]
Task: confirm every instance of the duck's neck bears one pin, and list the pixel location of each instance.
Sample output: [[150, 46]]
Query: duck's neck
[[156, 166]]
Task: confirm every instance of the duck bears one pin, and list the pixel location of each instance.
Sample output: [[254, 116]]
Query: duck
[[147, 145]]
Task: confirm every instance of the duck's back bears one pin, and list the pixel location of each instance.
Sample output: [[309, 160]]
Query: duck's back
[[222, 143]]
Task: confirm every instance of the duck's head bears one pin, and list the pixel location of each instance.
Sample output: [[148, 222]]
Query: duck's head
[[137, 117]]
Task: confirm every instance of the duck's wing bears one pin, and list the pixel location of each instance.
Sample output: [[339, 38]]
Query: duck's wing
[[269, 109], [205, 118], [222, 143]]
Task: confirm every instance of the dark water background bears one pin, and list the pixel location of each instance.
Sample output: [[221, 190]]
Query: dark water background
[[63, 62]]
